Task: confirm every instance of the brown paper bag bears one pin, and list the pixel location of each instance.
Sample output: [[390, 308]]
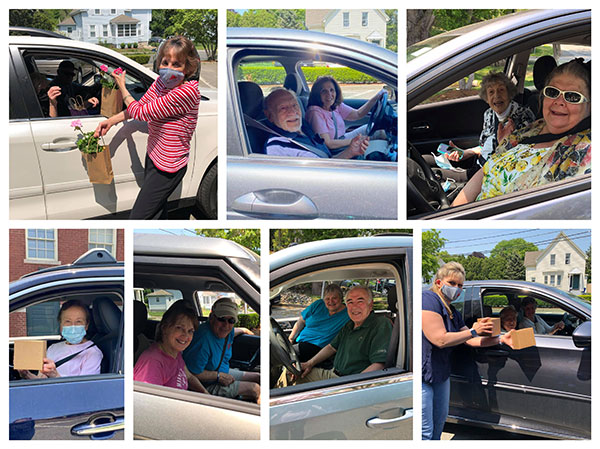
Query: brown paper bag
[[99, 166], [112, 102]]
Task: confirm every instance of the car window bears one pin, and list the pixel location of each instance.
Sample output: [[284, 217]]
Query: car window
[[39, 321], [560, 52], [267, 74]]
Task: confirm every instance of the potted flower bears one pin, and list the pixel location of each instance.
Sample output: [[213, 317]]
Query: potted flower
[[96, 156], [112, 98]]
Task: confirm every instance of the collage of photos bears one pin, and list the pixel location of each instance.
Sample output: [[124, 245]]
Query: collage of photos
[[290, 296]]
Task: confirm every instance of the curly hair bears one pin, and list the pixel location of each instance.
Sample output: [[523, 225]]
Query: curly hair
[[495, 78]]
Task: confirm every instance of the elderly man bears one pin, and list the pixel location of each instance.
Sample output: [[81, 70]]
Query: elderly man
[[361, 345], [292, 137], [208, 355]]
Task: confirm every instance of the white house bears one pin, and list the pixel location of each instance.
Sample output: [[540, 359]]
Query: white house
[[368, 25], [561, 264], [114, 26], [161, 300]]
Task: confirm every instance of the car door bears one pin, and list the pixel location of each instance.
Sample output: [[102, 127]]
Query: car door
[[275, 187], [366, 406], [65, 408], [532, 387], [58, 161]]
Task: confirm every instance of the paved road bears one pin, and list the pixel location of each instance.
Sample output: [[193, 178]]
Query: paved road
[[462, 432]]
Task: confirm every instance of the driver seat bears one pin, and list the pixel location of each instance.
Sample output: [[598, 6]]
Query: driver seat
[[108, 319], [392, 301], [251, 99]]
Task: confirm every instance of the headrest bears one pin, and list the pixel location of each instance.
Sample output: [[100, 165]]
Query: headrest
[[541, 69], [140, 316], [392, 298], [107, 316], [251, 97], [292, 82]]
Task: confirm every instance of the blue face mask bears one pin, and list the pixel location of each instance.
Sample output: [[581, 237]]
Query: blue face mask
[[442, 161], [170, 77], [73, 334]]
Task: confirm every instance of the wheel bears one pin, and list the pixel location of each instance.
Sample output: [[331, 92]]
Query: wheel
[[206, 198], [282, 351]]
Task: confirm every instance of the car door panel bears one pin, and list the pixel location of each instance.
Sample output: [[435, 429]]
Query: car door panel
[[366, 410], [277, 187]]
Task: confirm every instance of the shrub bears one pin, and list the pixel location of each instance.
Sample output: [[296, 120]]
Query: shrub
[[249, 320], [122, 45], [276, 75], [140, 58]]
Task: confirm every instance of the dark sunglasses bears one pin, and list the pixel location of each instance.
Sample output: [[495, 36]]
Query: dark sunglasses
[[222, 319], [570, 96]]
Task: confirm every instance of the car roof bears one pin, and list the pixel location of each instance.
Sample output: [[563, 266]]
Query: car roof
[[320, 247], [281, 37]]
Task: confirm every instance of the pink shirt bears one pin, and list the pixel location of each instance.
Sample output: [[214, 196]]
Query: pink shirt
[[88, 362], [321, 121], [156, 367]]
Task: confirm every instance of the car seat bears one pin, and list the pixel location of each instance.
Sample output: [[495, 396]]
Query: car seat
[[542, 67], [251, 99], [140, 323], [392, 300], [292, 82], [108, 319]]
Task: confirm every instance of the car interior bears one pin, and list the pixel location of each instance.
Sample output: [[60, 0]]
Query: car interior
[[290, 75], [39, 321], [200, 291], [455, 114], [290, 298]]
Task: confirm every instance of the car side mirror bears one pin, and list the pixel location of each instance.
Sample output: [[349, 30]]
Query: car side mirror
[[582, 336]]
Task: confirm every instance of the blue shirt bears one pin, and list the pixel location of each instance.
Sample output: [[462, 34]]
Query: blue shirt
[[436, 361], [321, 327], [204, 352]]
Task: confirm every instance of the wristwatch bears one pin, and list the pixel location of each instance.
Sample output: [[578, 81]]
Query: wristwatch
[[473, 333]]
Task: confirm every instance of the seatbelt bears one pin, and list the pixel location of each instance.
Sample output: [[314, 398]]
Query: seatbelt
[[256, 124], [72, 356], [334, 125]]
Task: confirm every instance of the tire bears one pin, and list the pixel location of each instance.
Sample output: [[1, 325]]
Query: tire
[[206, 198]]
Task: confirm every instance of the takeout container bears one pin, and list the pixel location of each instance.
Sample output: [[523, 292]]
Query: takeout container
[[496, 325], [29, 354], [523, 338]]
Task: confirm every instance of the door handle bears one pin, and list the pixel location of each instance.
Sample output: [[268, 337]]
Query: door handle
[[64, 145], [276, 202], [99, 424], [390, 423]]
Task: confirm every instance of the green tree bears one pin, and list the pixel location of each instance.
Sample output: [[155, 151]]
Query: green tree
[[291, 19], [43, 19], [391, 37], [515, 269], [450, 19], [249, 238], [519, 246], [200, 25], [233, 18], [261, 18], [162, 22], [432, 243], [588, 264]]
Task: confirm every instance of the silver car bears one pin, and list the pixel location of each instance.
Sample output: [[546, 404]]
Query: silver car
[[48, 178], [276, 187], [375, 405]]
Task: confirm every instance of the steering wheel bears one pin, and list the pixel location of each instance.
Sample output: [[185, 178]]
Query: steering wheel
[[423, 187], [376, 114], [282, 351]]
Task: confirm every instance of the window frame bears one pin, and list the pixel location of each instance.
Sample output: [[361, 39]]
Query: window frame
[[113, 250], [41, 260]]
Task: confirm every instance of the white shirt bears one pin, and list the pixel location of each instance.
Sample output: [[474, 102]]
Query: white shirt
[[88, 362]]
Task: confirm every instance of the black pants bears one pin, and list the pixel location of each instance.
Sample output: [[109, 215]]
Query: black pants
[[151, 202]]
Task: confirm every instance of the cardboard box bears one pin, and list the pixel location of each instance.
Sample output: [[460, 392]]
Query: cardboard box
[[495, 322], [29, 354], [523, 338]]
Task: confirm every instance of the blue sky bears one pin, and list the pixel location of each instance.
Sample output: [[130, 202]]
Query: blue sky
[[465, 241], [165, 231]]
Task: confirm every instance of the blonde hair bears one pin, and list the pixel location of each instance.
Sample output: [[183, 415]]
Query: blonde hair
[[449, 269]]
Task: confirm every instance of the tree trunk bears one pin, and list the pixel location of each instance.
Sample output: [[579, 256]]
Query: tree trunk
[[418, 25]]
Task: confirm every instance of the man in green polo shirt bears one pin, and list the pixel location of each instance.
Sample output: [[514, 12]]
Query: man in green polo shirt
[[359, 347]]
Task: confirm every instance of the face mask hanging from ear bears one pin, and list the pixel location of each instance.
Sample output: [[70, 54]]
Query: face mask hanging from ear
[[171, 78]]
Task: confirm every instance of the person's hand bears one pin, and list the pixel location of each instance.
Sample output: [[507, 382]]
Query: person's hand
[[102, 128], [119, 77], [505, 129], [26, 374], [49, 368], [455, 156], [558, 327], [93, 101], [358, 146], [507, 339], [306, 367], [53, 93], [484, 327], [225, 379]]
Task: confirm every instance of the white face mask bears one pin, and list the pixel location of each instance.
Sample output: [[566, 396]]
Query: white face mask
[[442, 161]]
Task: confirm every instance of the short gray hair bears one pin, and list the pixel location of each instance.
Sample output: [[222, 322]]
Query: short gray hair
[[274, 93], [494, 78], [361, 287]]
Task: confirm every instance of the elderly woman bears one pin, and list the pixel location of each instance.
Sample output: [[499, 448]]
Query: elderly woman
[[162, 363], [73, 319], [508, 318], [326, 113], [531, 319], [503, 115], [443, 329], [319, 323]]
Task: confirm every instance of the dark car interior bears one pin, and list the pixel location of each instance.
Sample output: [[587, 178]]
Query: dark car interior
[[449, 116]]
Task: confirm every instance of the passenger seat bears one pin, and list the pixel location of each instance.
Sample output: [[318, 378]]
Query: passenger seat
[[251, 99], [140, 323], [542, 67], [108, 319]]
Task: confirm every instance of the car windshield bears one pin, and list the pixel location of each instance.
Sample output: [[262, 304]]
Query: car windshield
[[587, 304]]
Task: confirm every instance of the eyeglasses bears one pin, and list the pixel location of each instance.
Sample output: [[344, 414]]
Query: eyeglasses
[[222, 319], [570, 96]]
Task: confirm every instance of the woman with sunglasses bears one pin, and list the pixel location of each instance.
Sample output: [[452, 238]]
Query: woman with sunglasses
[[208, 355], [554, 148], [443, 329]]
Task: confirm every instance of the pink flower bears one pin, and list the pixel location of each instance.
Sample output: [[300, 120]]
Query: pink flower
[[76, 124], [118, 71], [104, 68]]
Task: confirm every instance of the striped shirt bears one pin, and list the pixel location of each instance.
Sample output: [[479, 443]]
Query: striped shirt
[[172, 115]]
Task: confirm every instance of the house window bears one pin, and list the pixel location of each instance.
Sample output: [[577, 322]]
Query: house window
[[365, 19], [546, 279], [551, 279], [92, 30], [558, 279], [567, 258], [69, 30], [552, 259], [126, 30], [41, 244], [102, 238], [532, 279], [113, 12], [96, 12], [346, 17]]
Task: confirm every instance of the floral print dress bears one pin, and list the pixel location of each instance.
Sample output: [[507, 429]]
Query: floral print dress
[[516, 166]]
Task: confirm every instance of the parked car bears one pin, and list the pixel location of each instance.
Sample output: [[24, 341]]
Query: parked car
[[197, 270], [375, 405], [79, 407], [276, 187], [543, 390], [438, 112], [48, 178]]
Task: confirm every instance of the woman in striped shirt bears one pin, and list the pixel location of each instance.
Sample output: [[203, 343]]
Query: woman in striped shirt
[[171, 109]]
